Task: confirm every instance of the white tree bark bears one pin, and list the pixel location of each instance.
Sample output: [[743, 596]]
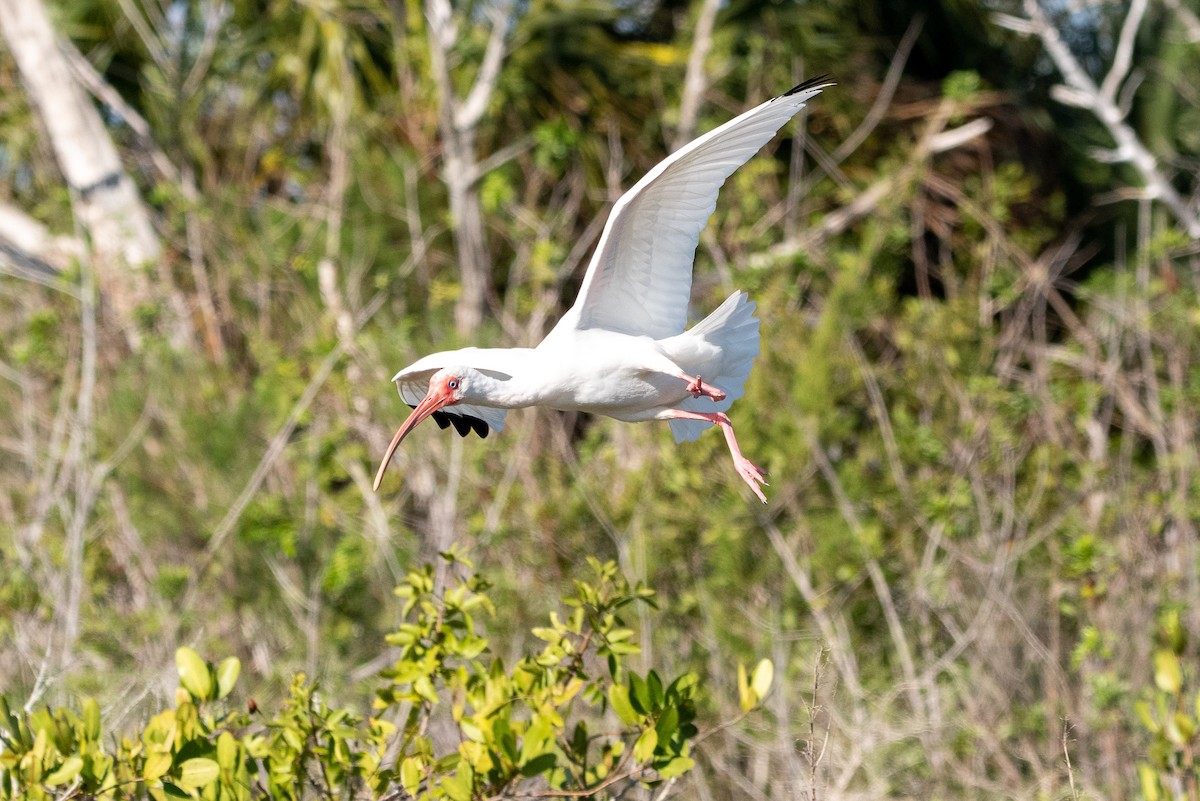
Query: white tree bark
[[695, 80], [458, 121], [122, 240], [1104, 101]]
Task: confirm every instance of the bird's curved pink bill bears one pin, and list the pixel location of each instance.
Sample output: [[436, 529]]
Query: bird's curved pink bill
[[436, 399]]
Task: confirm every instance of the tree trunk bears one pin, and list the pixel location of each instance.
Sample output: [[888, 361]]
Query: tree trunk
[[458, 119], [123, 242]]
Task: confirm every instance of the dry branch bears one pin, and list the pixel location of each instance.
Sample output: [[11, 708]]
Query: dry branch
[[1103, 101]]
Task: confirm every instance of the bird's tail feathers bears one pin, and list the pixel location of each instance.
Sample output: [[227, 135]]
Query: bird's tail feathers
[[733, 328]]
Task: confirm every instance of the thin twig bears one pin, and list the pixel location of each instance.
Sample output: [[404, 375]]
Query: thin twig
[[1067, 755], [884, 98]]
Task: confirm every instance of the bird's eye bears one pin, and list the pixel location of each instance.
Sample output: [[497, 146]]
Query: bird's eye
[[453, 383]]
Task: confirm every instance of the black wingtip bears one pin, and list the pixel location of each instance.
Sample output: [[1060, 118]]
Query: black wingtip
[[806, 85], [464, 424]]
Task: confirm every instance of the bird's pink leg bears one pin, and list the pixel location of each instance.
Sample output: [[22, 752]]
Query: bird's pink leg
[[750, 473], [701, 390]]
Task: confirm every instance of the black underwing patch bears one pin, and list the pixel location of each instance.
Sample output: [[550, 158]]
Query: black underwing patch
[[464, 424]]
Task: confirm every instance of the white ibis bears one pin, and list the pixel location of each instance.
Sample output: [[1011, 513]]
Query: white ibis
[[622, 350]]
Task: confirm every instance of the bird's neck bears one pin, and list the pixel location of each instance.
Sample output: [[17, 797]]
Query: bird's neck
[[523, 389]]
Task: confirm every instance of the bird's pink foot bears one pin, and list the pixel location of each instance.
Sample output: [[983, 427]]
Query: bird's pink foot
[[752, 474], [701, 390]]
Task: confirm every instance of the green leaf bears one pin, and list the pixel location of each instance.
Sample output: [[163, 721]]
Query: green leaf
[[1142, 710], [411, 773], [91, 719], [174, 790], [194, 675], [676, 767], [639, 693], [1166, 672], [746, 697], [667, 723], [65, 772], [542, 763], [198, 772], [227, 675], [1178, 729], [643, 749], [227, 751], [505, 739], [579, 742], [459, 786], [1185, 725], [1151, 789], [761, 678], [424, 688], [618, 698], [157, 764], [654, 686]]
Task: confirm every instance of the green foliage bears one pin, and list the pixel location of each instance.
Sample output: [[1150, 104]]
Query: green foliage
[[1171, 715], [977, 397], [572, 716]]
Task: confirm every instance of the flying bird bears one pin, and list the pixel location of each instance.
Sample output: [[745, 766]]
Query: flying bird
[[622, 350]]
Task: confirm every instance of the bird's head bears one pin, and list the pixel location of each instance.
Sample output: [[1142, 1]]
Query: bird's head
[[447, 387]]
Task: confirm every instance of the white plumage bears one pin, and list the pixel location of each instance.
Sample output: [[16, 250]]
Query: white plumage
[[621, 350]]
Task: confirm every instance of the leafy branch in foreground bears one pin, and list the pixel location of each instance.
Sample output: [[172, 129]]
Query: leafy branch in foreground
[[1171, 715], [449, 721]]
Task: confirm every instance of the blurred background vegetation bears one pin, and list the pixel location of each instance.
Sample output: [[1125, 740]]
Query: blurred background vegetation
[[977, 270]]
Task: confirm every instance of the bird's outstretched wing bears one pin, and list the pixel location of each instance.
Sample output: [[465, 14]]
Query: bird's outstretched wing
[[640, 277]]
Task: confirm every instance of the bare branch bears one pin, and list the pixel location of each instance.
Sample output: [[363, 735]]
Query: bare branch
[[145, 31], [1082, 92], [957, 137], [103, 91], [500, 158], [470, 111], [694, 82], [216, 13], [28, 235], [1187, 18], [890, 81], [935, 140], [1123, 57]]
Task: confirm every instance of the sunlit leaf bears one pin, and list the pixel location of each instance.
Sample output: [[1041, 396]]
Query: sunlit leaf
[[194, 675], [65, 772], [643, 749], [157, 764], [761, 678], [1148, 778], [1166, 672], [227, 751], [618, 698], [411, 773], [198, 772], [676, 767], [227, 675], [91, 719]]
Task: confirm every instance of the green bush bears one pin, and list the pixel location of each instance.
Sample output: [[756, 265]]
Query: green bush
[[449, 719]]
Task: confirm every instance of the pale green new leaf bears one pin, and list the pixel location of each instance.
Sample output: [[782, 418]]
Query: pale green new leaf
[[198, 772], [194, 675]]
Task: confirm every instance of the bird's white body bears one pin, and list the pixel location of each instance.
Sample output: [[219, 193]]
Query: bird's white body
[[621, 350], [623, 376]]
